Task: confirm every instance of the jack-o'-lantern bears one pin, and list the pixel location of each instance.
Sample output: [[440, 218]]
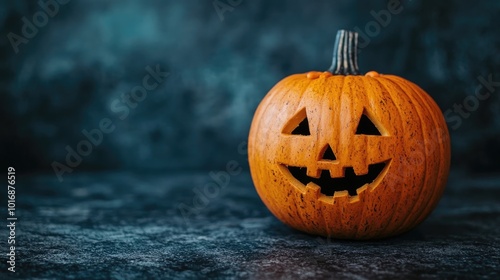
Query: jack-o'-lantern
[[349, 156]]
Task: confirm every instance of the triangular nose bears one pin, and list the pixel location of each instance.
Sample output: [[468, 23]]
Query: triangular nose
[[328, 153]]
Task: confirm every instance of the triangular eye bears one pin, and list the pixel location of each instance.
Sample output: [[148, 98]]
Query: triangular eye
[[366, 126], [298, 124], [303, 128]]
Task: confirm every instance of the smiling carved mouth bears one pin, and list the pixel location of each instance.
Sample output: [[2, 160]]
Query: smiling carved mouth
[[350, 182]]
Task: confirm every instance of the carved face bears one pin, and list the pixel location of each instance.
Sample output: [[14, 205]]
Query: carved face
[[328, 172], [348, 156]]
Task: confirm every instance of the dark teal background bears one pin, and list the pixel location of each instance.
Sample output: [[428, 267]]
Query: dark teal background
[[65, 78], [163, 204]]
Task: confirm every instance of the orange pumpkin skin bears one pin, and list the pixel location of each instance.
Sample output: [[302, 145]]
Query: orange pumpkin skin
[[413, 147]]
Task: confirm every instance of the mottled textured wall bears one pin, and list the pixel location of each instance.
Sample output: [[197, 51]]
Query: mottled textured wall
[[89, 53]]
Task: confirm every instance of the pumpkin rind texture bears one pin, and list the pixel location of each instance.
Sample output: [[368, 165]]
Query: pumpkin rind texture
[[411, 150]]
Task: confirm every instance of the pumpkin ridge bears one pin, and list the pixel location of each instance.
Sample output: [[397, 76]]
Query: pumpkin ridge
[[337, 124], [325, 203], [432, 202], [276, 88], [423, 127], [446, 149], [360, 216], [258, 116], [283, 96], [368, 88], [346, 217], [302, 217], [389, 223]]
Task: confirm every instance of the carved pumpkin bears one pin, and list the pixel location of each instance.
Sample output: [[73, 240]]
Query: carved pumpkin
[[349, 156]]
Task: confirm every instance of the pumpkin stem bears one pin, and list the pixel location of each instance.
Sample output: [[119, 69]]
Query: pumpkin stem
[[345, 54]]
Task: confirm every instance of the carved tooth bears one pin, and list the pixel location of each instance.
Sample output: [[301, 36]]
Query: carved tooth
[[341, 194], [313, 172], [313, 190], [337, 172]]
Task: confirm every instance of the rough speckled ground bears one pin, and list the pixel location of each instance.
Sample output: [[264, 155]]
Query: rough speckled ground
[[123, 226]]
